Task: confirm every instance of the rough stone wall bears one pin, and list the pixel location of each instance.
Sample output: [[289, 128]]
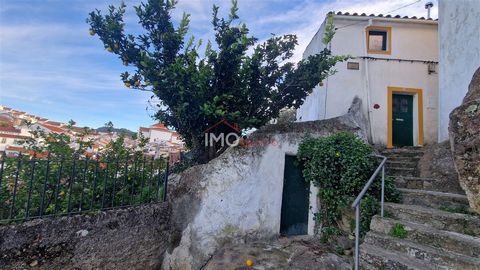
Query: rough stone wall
[[465, 140], [237, 196], [129, 238], [437, 163]]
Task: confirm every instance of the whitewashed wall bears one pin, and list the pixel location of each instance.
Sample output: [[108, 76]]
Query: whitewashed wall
[[410, 40], [238, 196], [459, 29]]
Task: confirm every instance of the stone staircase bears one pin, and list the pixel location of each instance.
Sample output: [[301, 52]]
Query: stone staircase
[[431, 229]]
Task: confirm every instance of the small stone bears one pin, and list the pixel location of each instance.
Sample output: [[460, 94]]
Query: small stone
[[34, 263], [82, 233]]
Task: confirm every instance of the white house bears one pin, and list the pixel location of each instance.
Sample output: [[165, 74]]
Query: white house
[[459, 24], [393, 70], [162, 141]]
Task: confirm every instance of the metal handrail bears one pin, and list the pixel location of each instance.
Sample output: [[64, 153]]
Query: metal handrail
[[356, 205]]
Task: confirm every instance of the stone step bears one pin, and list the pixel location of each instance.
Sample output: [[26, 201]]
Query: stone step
[[402, 152], [403, 158], [433, 199], [442, 258], [426, 184], [399, 171], [376, 258], [401, 164], [438, 219], [429, 236]]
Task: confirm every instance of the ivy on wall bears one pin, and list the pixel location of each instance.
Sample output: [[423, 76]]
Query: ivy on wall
[[340, 165]]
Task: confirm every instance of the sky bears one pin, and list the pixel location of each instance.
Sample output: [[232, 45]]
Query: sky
[[51, 67]]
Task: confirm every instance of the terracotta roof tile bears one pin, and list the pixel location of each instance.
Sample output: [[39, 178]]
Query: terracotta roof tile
[[52, 128], [9, 129], [381, 16], [14, 136]]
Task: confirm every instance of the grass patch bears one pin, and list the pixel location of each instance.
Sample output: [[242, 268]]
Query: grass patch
[[339, 250], [398, 231]]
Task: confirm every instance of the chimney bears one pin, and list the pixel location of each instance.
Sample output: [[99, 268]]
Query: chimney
[[428, 6]]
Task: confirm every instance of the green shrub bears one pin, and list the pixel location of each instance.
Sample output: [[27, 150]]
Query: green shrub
[[398, 231], [340, 165]]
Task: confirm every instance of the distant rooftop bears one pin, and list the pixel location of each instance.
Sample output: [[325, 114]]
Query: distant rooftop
[[381, 16]]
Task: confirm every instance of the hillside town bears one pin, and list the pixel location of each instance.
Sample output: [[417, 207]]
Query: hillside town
[[17, 127]]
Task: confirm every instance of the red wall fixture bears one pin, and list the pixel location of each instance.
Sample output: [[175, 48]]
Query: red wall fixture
[[376, 106]]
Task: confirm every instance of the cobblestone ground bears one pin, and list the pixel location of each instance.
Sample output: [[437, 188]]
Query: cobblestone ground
[[297, 253]]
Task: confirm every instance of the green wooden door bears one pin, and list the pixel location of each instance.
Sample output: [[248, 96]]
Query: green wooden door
[[295, 200], [402, 122]]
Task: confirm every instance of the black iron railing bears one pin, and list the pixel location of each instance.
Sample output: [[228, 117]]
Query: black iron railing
[[33, 187]]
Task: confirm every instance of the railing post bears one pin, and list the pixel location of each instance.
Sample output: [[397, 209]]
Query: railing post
[[383, 190], [357, 236], [71, 183], [57, 184], [15, 186], [45, 183], [165, 183], [30, 187]]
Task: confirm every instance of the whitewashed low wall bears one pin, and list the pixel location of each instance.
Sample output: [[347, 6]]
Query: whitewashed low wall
[[238, 196]]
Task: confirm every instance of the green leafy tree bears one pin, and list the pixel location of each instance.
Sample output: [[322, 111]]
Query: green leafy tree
[[237, 78]]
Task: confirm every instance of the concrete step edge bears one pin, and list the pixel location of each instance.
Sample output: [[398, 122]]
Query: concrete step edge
[[472, 240], [408, 262], [440, 252], [433, 193]]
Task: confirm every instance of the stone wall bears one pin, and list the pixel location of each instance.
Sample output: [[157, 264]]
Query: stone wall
[[237, 197], [129, 238], [437, 163]]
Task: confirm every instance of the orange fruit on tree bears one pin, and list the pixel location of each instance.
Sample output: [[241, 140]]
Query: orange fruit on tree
[[92, 33], [127, 84], [249, 263], [109, 49]]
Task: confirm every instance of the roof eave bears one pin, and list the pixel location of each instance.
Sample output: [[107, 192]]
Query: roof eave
[[385, 19]]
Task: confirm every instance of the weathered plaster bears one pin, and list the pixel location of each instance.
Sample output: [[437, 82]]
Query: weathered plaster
[[238, 196], [459, 54]]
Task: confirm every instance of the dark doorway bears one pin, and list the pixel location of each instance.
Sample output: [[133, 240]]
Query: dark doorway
[[402, 122], [295, 200]]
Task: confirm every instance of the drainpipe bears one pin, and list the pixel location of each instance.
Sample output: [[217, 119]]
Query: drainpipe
[[367, 86]]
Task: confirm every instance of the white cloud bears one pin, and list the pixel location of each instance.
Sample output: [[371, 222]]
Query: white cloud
[[51, 61]]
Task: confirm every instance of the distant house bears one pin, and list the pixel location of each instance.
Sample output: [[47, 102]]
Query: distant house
[[393, 70], [10, 136], [162, 141]]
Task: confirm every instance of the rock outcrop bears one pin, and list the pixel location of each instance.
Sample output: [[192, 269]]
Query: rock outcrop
[[465, 141], [237, 197], [437, 165]]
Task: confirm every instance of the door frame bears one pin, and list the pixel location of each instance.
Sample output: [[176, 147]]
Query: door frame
[[417, 93], [310, 217]]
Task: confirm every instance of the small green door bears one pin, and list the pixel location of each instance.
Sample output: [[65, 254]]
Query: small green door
[[402, 122], [295, 200]]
